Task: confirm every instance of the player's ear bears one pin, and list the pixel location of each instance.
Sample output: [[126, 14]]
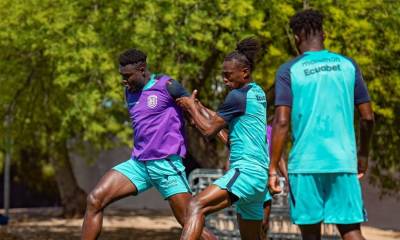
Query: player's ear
[[297, 39], [246, 73], [142, 69]]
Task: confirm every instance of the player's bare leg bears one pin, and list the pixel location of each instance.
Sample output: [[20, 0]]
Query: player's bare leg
[[111, 187], [179, 203], [208, 201]]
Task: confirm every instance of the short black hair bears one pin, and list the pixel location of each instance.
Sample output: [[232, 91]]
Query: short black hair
[[246, 52], [309, 21], [132, 56]]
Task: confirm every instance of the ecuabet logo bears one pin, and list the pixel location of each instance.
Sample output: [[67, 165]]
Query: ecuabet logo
[[152, 101]]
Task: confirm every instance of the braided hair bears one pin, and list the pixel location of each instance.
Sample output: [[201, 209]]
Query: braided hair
[[245, 53], [309, 21], [132, 56]]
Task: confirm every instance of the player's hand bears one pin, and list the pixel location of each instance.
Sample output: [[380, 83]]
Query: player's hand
[[190, 120], [273, 183], [362, 165], [187, 102], [287, 184], [184, 102]]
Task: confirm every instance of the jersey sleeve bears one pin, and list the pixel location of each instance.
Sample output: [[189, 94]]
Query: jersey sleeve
[[176, 90], [233, 106], [283, 90], [361, 94]]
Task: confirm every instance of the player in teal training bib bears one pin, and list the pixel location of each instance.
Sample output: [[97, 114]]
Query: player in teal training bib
[[244, 113], [317, 91]]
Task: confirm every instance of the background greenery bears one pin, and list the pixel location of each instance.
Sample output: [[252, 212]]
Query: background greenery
[[59, 80]]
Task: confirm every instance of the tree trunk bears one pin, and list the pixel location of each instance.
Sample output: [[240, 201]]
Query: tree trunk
[[305, 4], [73, 198]]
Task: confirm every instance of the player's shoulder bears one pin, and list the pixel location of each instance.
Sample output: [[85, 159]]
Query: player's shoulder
[[166, 79], [238, 93], [163, 77], [285, 67], [169, 80], [256, 89], [343, 57]]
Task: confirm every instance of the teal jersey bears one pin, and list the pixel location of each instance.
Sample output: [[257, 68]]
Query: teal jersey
[[244, 110], [321, 88], [151, 82], [174, 88]]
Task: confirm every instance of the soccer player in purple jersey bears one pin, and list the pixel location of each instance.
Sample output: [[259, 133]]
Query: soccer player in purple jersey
[[159, 146]]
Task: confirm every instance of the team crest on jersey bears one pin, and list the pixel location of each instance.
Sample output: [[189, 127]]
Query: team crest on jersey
[[152, 101]]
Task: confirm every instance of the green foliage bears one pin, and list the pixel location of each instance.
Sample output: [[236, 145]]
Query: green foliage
[[1, 160], [59, 76]]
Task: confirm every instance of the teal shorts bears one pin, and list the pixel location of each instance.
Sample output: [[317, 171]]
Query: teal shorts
[[250, 187], [268, 196], [334, 198], [166, 175]]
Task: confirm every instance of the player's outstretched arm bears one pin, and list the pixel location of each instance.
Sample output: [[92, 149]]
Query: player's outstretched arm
[[208, 114], [208, 128], [176, 90], [366, 129]]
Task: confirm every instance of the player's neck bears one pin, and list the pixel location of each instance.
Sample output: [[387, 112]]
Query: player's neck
[[247, 81], [140, 86], [147, 77], [313, 41], [311, 45]]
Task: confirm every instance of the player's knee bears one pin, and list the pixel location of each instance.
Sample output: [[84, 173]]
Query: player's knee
[[353, 236], [94, 201], [350, 231]]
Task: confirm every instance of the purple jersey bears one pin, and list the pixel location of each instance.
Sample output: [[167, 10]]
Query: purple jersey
[[157, 123]]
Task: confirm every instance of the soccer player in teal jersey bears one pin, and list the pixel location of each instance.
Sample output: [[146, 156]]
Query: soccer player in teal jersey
[[244, 111], [268, 198], [316, 92]]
